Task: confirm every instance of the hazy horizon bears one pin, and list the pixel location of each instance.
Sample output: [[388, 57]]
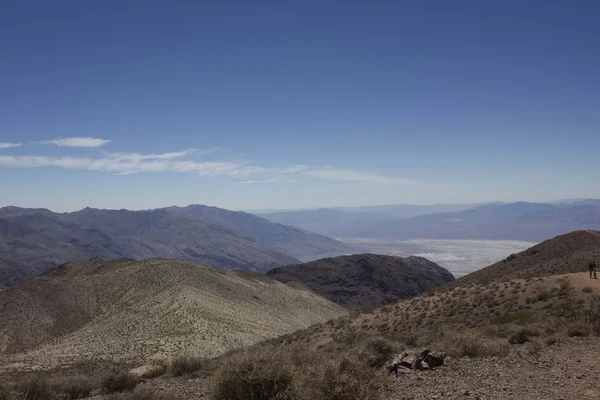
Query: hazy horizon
[[271, 210]]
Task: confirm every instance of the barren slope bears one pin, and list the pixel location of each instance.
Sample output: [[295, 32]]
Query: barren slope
[[365, 281], [128, 310]]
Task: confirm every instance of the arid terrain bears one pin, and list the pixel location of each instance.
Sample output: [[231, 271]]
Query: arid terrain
[[33, 240], [522, 331], [365, 281], [126, 311]]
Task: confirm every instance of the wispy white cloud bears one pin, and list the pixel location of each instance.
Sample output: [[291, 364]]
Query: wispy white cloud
[[241, 171], [6, 145], [162, 156], [76, 142], [276, 179]]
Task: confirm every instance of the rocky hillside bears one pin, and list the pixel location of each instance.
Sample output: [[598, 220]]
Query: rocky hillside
[[561, 255], [296, 242], [39, 239], [365, 281], [126, 311]]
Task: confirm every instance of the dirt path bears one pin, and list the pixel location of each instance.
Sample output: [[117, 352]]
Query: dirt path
[[582, 280], [563, 371]]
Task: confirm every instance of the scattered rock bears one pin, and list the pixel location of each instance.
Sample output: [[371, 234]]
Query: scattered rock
[[420, 360]]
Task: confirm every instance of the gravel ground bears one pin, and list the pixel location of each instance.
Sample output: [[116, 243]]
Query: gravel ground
[[563, 371]]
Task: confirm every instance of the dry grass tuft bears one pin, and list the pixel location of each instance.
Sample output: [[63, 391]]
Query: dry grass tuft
[[470, 344], [142, 395], [375, 353], [295, 374], [340, 378], [185, 365], [119, 382], [254, 375]]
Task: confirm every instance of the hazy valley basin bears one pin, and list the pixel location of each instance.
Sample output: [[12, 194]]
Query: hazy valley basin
[[459, 256]]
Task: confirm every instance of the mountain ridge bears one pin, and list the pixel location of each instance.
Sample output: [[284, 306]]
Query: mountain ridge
[[127, 310], [365, 281], [40, 240]]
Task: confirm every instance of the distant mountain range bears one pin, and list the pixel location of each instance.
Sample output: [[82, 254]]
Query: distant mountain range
[[296, 242], [509, 221], [33, 240]]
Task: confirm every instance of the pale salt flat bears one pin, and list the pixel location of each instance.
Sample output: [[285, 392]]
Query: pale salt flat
[[459, 256]]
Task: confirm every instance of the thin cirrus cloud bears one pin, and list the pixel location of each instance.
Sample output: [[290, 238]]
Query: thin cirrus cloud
[[240, 171], [76, 142], [5, 145]]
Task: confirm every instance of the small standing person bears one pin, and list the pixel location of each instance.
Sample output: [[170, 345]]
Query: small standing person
[[591, 268]]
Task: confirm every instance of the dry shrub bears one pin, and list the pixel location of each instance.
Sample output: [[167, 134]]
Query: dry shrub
[[348, 336], [39, 388], [254, 375], [142, 395], [552, 340], [587, 290], [469, 344], [185, 365], [155, 371], [523, 335], [535, 347], [119, 382], [32, 389], [410, 339], [375, 353], [293, 374], [499, 331], [73, 388], [578, 329], [340, 378]]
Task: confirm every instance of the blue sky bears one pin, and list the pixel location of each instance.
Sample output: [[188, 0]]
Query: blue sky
[[277, 104]]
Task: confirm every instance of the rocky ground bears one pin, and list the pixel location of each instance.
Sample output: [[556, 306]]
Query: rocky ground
[[563, 371]]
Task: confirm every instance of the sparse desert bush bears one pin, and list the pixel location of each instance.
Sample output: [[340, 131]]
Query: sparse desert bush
[[410, 339], [119, 382], [518, 317], [72, 388], [469, 344], [376, 352], [587, 290], [142, 395], [254, 375], [578, 329], [544, 295], [340, 378], [296, 374], [185, 365], [32, 389], [348, 336], [523, 335], [552, 340], [156, 370]]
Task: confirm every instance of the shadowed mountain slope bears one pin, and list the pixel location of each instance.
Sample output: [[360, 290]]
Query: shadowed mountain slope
[[296, 242], [40, 239], [364, 281], [126, 310]]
